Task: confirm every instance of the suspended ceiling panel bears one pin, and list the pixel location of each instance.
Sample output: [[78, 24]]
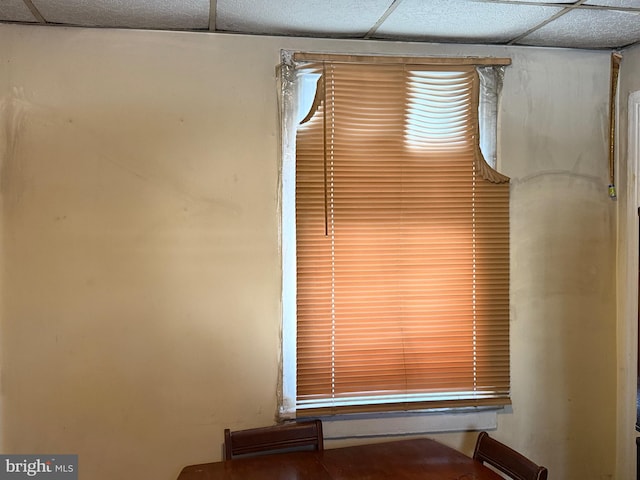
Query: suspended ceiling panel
[[152, 14], [580, 28], [590, 24], [15, 11], [562, 3], [462, 21], [326, 18], [614, 3]]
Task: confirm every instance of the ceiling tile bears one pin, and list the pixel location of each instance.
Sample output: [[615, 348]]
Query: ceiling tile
[[300, 17], [15, 11], [157, 14], [615, 3], [463, 21], [593, 24], [588, 29], [533, 1]]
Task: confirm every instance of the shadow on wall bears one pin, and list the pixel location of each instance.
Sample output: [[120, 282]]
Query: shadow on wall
[[562, 277], [134, 267]]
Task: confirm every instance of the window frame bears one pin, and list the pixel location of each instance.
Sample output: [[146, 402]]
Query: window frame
[[490, 70]]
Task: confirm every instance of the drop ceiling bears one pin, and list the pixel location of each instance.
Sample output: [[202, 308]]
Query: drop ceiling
[[587, 24]]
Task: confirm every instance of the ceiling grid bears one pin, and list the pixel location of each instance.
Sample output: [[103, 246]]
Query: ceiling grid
[[586, 24]]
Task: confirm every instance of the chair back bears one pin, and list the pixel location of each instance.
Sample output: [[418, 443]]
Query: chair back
[[507, 460], [287, 436]]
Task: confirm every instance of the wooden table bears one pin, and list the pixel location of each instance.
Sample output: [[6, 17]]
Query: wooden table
[[422, 459]]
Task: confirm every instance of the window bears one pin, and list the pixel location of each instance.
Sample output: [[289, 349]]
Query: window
[[399, 264]]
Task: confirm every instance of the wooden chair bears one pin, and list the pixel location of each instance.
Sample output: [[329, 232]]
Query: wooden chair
[[507, 460], [287, 436]]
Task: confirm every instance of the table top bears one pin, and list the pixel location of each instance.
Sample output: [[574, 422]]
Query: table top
[[422, 459]]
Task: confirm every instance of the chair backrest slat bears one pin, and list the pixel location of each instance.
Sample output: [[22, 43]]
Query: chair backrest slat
[[286, 436], [505, 459]]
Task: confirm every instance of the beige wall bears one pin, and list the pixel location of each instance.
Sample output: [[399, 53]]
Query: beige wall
[[141, 270], [626, 173]]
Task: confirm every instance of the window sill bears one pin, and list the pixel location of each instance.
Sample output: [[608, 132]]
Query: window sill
[[410, 423]]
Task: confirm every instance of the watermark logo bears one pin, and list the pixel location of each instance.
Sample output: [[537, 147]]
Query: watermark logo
[[45, 467]]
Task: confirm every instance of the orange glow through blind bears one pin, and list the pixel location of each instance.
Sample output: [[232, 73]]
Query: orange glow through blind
[[402, 234]]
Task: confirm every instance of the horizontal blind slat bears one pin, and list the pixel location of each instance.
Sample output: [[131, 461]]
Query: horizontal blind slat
[[408, 292]]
